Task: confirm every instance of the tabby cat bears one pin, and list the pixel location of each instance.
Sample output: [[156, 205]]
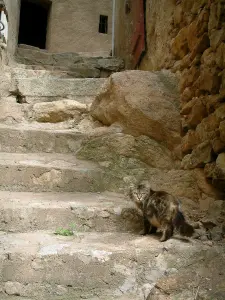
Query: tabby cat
[[160, 210]]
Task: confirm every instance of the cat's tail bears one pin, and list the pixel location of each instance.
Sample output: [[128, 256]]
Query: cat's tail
[[182, 226]]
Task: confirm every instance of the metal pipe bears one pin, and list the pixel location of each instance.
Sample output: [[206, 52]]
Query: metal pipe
[[113, 27]]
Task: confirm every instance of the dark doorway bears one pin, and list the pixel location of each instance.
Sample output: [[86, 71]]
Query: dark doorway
[[33, 22]]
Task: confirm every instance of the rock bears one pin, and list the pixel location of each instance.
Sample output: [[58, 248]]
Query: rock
[[186, 109], [206, 188], [197, 114], [198, 5], [200, 156], [110, 64], [209, 80], [209, 58], [216, 172], [217, 145], [186, 62], [216, 15], [197, 29], [11, 111], [189, 141], [58, 111], [222, 88], [5, 82], [201, 45], [220, 112], [217, 234], [113, 146], [13, 288], [178, 15], [206, 130], [220, 56], [179, 45], [220, 162], [144, 103], [222, 131], [187, 95], [212, 102], [187, 5], [189, 77], [216, 38], [84, 71]]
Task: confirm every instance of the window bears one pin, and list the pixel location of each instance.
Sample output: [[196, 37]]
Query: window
[[103, 24]]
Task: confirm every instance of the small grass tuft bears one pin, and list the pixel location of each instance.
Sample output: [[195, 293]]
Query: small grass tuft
[[66, 231]]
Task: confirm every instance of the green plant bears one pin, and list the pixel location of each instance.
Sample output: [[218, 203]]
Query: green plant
[[66, 232]]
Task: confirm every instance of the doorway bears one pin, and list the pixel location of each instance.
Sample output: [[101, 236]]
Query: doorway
[[34, 16]]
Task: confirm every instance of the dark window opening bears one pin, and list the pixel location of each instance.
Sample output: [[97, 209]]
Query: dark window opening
[[103, 24], [33, 22]]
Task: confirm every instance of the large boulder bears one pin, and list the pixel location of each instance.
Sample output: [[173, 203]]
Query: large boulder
[[143, 103], [111, 145]]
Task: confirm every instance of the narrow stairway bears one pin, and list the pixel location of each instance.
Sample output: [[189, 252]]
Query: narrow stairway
[[45, 189]]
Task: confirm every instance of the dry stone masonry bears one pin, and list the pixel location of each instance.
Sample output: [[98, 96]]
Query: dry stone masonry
[[198, 47]]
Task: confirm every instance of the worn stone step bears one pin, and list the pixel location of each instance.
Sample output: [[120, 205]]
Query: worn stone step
[[49, 89], [33, 139], [129, 297], [22, 212], [86, 265], [49, 172], [81, 71], [34, 56]]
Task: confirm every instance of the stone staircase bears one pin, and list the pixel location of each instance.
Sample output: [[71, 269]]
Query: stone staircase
[[44, 187]]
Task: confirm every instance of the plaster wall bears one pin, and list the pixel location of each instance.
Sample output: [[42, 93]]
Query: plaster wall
[[74, 24]]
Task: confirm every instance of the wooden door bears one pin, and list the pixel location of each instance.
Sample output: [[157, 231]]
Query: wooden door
[[138, 37]]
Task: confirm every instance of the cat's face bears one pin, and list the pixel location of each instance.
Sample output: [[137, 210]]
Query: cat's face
[[138, 193]]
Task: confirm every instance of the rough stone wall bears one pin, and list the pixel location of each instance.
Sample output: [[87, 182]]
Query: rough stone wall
[[199, 54], [74, 24]]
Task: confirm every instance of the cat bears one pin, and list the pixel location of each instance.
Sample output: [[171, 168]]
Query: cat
[[160, 210]]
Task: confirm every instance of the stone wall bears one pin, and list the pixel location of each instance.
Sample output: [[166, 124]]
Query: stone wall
[[199, 55], [74, 24]]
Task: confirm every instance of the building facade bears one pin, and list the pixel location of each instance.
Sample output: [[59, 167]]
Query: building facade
[[61, 26]]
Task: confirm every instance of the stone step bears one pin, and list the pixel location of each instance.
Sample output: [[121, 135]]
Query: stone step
[[86, 265], [50, 89], [39, 139], [129, 297], [41, 172], [39, 57], [82, 212], [81, 71]]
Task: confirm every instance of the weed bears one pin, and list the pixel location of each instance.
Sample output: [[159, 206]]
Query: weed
[[66, 231]]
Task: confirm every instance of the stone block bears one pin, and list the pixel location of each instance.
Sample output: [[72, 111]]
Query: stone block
[[179, 45], [197, 114], [189, 141], [200, 156], [209, 80], [206, 130], [209, 58]]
